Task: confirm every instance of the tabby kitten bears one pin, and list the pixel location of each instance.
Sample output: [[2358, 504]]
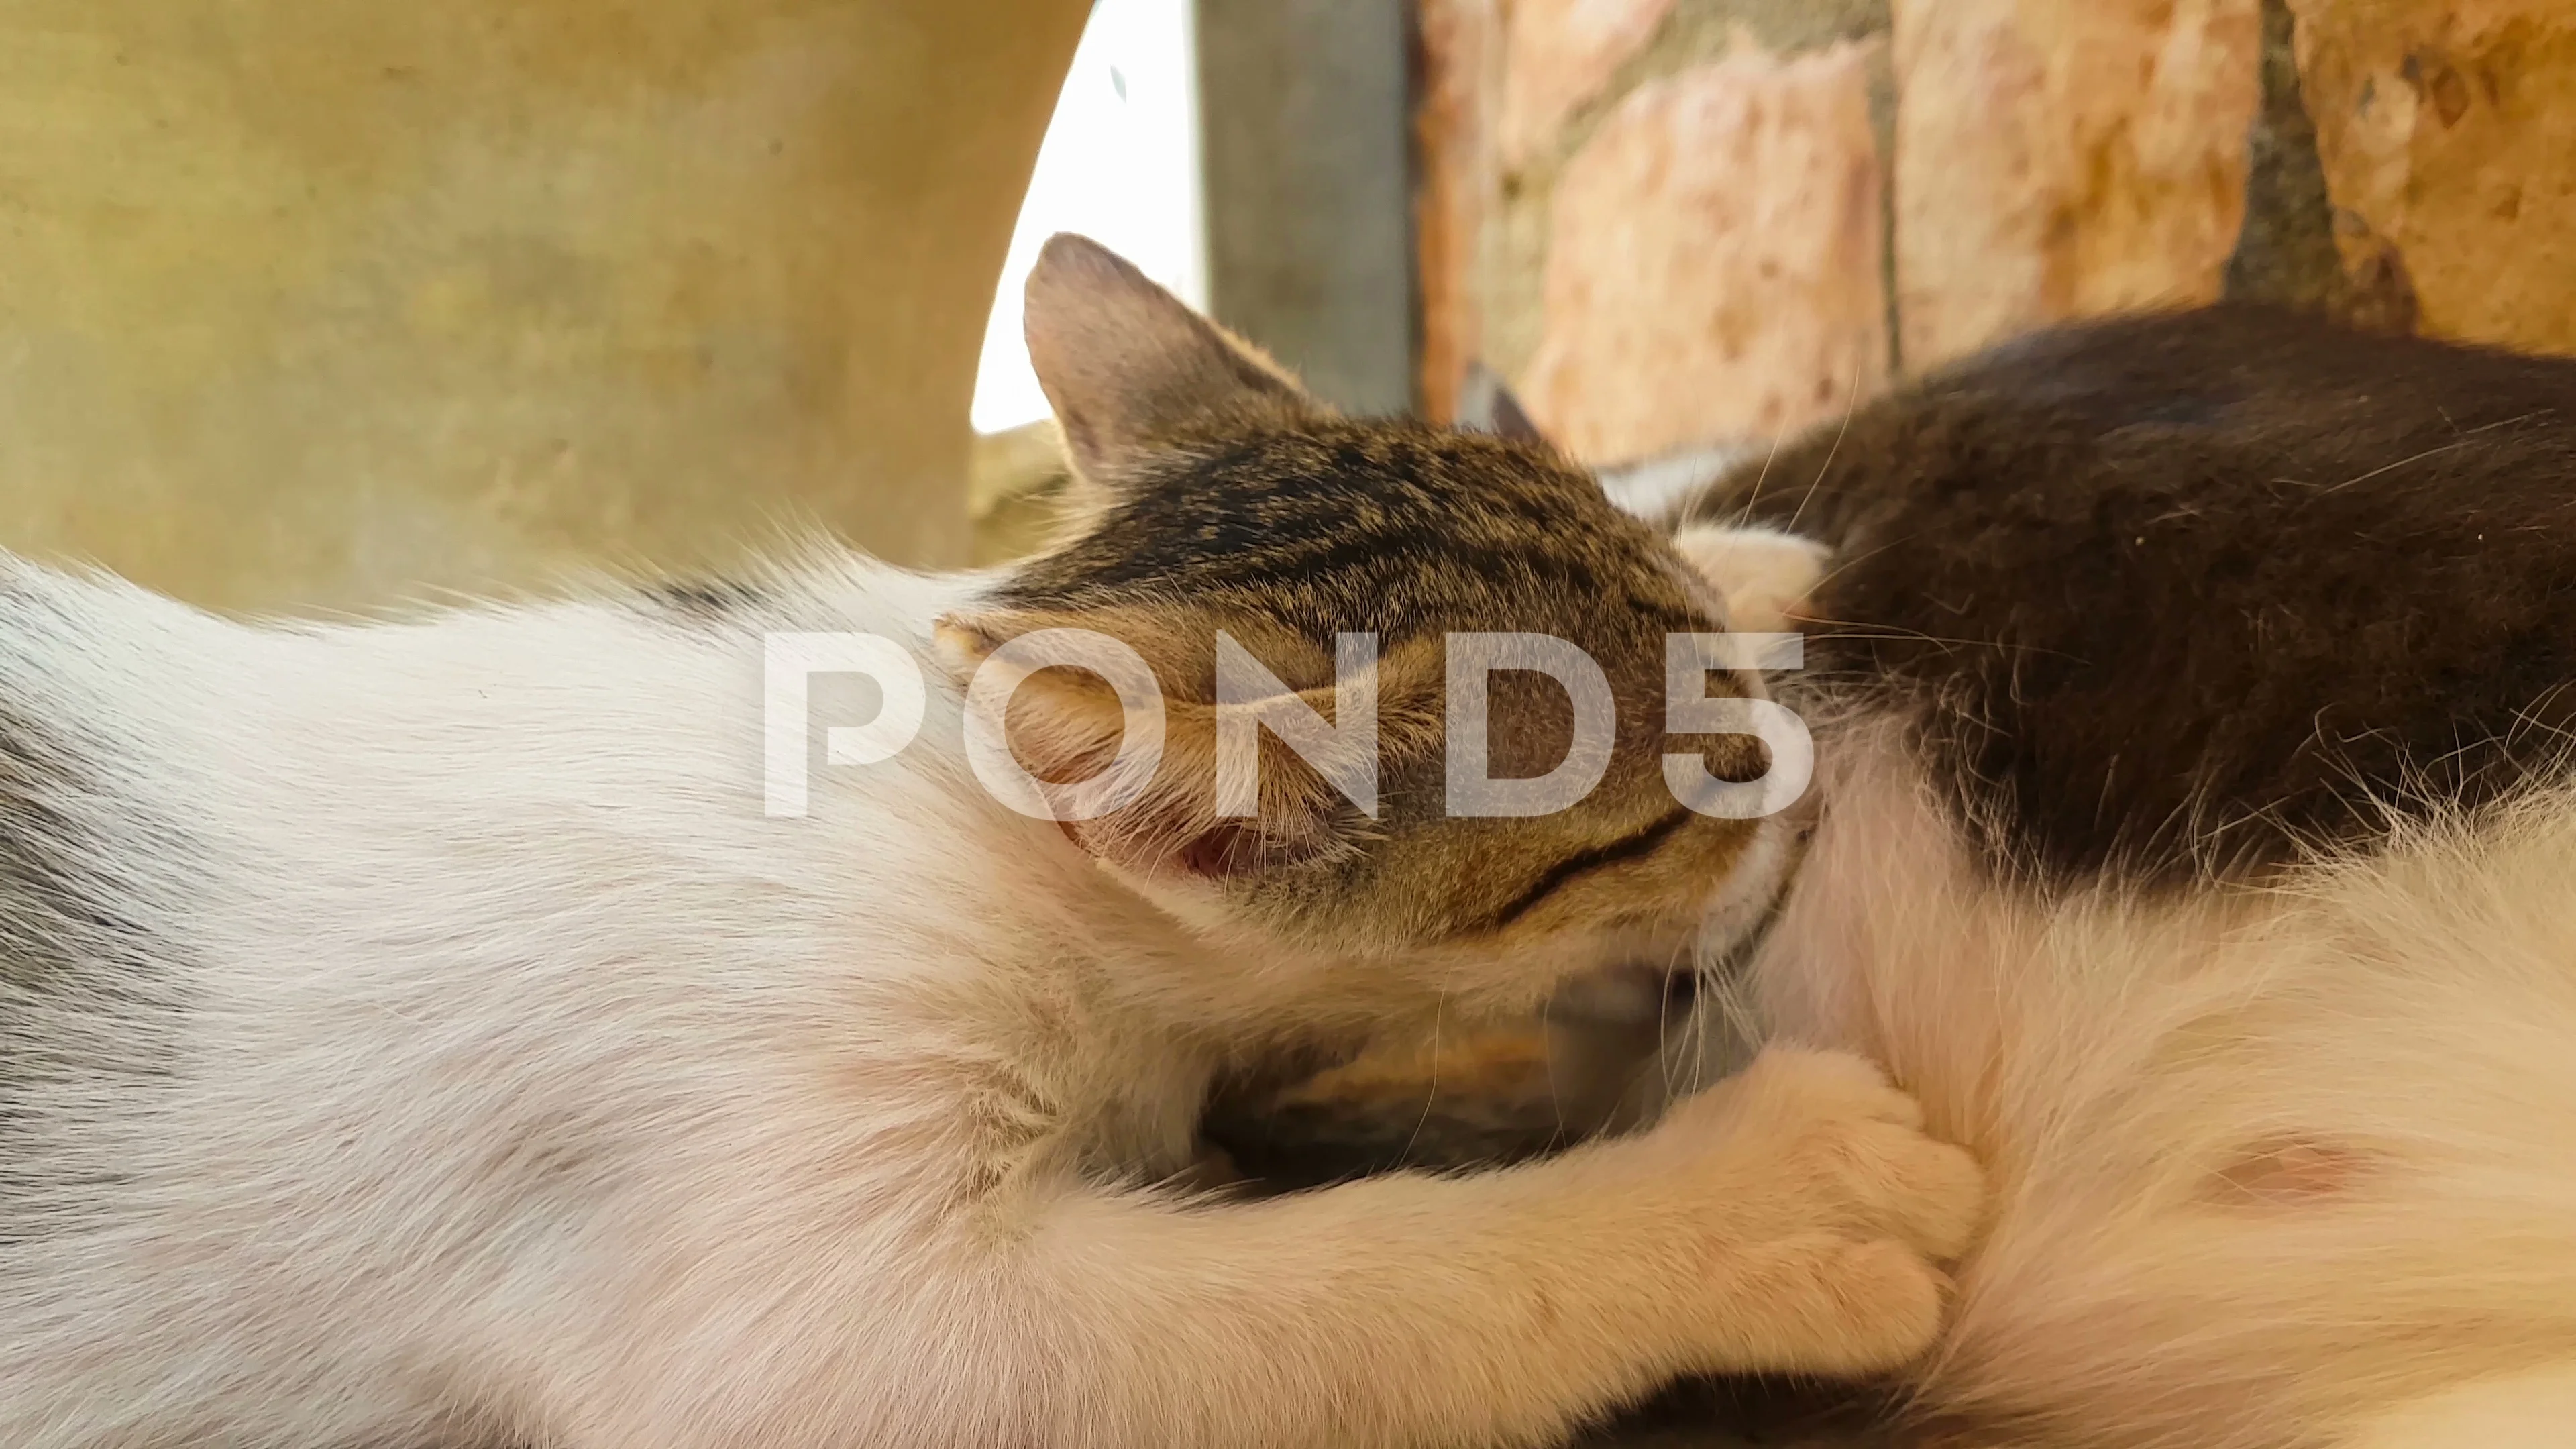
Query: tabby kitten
[[417, 1033], [2191, 697]]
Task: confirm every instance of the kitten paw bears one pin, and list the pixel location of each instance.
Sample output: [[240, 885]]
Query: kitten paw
[[1833, 1208], [1829, 1305]]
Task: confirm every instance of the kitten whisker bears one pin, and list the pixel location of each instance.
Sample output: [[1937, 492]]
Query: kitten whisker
[[1851, 405], [1431, 1088], [1755, 496]]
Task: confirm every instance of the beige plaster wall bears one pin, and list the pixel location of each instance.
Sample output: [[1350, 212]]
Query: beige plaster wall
[[318, 302]]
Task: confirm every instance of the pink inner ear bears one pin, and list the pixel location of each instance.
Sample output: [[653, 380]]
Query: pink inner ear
[[1238, 847], [1221, 851]]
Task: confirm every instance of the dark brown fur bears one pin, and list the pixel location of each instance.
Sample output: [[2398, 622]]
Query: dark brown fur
[[2180, 593]]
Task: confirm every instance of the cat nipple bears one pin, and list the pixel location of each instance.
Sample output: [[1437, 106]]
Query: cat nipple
[[2287, 1172]]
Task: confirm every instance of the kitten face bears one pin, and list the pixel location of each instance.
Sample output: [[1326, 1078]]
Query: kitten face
[[1220, 499]]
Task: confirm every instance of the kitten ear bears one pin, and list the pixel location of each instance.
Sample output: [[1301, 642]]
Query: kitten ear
[[1486, 405], [1165, 817], [1764, 576], [1129, 368], [1511, 420]]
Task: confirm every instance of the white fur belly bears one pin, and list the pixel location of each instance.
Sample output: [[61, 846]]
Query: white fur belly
[[2268, 1163], [2535, 1410]]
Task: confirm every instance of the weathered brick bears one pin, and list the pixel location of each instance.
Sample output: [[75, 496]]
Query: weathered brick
[[1453, 122], [2058, 160], [2447, 129], [1714, 271], [1559, 55]]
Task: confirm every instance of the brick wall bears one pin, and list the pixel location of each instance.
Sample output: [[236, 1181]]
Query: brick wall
[[1678, 223]]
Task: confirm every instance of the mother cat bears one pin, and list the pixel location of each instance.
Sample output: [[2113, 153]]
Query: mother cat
[[2192, 697]]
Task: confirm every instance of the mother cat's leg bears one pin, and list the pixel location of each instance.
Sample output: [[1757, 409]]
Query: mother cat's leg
[[1781, 1222]]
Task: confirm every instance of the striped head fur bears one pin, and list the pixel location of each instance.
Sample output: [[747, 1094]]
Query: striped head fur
[[1224, 514]]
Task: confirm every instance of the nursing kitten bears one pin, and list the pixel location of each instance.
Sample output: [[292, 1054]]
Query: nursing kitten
[[417, 1033], [2191, 697]]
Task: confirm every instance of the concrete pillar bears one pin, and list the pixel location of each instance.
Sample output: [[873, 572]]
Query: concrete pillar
[[1303, 121]]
